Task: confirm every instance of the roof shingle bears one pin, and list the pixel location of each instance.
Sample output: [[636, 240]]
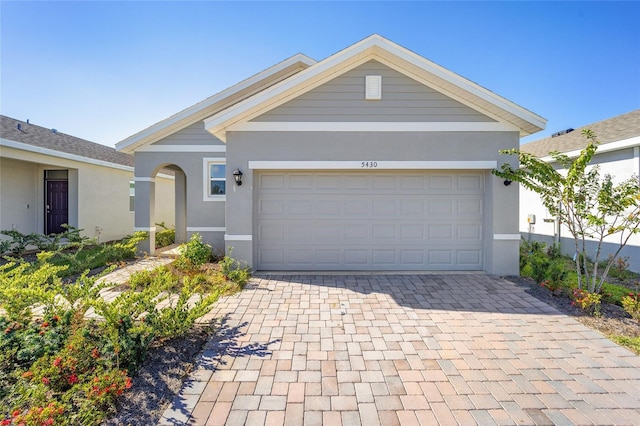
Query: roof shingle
[[614, 129], [37, 136]]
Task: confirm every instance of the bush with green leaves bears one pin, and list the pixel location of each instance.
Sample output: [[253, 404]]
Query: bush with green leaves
[[194, 253], [18, 242], [166, 237], [234, 270]]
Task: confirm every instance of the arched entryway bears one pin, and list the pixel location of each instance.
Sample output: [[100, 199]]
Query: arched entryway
[[161, 197]]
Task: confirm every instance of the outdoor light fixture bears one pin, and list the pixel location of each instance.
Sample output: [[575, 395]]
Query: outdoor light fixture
[[237, 175], [507, 182]]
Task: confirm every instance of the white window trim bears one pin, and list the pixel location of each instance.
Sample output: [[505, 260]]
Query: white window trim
[[206, 163]]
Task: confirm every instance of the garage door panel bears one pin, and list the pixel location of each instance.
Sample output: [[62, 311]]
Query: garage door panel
[[356, 257], [271, 207], [378, 220], [271, 181], [440, 231], [440, 257], [469, 232], [412, 208], [470, 183]]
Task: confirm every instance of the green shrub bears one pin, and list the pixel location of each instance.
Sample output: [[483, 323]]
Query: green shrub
[[235, 271], [18, 242], [182, 312], [165, 238], [194, 254]]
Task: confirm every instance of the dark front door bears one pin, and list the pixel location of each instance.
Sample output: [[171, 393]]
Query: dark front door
[[57, 205]]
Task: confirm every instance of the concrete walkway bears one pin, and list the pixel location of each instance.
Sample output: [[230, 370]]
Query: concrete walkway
[[404, 349]]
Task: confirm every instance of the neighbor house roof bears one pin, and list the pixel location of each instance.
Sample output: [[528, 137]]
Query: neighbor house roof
[[30, 137], [623, 127], [394, 56]]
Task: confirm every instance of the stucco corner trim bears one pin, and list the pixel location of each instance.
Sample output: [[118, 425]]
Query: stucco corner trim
[[206, 229], [229, 237], [507, 237], [372, 165]]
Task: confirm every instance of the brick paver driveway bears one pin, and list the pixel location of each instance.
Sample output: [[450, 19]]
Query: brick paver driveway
[[404, 349]]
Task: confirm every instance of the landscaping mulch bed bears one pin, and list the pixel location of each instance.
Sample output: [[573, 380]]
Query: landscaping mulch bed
[[160, 379], [613, 320]]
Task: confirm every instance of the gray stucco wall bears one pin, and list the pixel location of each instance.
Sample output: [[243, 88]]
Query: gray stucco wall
[[501, 255], [200, 214]]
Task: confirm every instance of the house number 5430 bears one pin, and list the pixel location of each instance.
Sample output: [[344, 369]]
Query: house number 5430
[[369, 164]]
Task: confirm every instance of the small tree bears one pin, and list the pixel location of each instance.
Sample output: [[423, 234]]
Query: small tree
[[590, 206]]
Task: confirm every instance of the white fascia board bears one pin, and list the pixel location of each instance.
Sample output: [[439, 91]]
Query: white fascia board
[[364, 126], [280, 93], [64, 155], [463, 83], [129, 143], [372, 164], [342, 61], [613, 146], [183, 148]]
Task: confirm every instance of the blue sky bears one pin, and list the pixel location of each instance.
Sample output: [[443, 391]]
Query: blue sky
[[105, 70]]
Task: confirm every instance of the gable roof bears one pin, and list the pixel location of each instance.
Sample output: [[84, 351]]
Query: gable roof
[[396, 57], [217, 102], [34, 138], [615, 129]]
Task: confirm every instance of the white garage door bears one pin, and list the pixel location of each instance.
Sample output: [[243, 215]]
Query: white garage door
[[342, 220]]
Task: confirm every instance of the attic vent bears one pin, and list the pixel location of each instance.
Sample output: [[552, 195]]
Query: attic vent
[[373, 89], [562, 132]]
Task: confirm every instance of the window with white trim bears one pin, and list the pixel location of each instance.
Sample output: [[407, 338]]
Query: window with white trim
[[216, 179]]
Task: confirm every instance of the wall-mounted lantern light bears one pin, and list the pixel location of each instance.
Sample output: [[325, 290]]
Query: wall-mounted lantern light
[[507, 182], [237, 175]]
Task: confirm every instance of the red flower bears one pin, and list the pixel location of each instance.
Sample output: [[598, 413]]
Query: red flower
[[95, 353], [45, 324], [16, 413], [56, 318], [45, 380], [73, 379], [6, 422], [57, 362], [27, 375], [127, 383], [49, 421]]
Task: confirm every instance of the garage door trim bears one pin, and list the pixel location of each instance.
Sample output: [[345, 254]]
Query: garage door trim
[[373, 165]]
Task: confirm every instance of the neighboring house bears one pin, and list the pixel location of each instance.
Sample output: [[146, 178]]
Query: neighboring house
[[618, 155], [48, 178], [371, 159]]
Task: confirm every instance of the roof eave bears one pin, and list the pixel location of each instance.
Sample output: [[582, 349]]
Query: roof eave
[[213, 104], [378, 47]]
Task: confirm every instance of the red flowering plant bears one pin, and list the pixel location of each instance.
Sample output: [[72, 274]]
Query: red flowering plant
[[51, 414], [105, 387]]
